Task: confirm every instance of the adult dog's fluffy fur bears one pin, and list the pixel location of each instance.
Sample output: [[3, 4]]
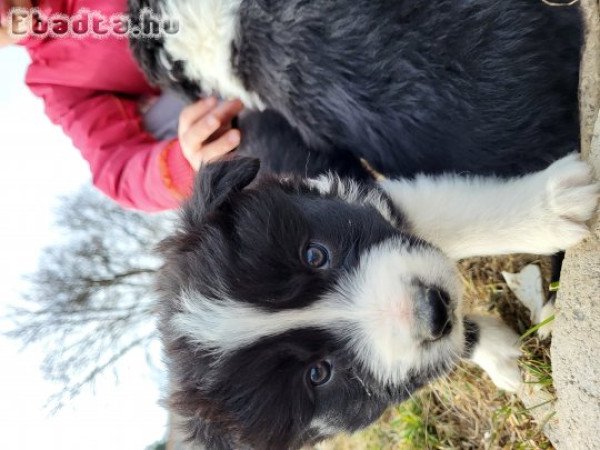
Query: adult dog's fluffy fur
[[295, 308], [484, 86]]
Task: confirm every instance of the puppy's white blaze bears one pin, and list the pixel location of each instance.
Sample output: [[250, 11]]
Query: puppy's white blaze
[[383, 290], [226, 325], [352, 192], [207, 29], [371, 308]]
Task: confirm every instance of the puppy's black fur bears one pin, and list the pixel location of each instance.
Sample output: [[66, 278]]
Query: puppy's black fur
[[258, 396]]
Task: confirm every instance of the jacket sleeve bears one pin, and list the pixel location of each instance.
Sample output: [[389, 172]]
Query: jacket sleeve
[[126, 162]]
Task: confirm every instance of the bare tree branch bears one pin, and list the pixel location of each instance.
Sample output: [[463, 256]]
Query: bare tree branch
[[90, 301]]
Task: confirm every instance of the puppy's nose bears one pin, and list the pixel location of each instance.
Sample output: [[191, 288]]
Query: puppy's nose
[[433, 309]]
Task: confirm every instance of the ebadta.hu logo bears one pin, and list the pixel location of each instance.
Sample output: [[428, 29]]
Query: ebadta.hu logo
[[24, 22]]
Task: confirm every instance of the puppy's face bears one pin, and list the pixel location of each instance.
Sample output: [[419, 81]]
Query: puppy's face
[[293, 310]]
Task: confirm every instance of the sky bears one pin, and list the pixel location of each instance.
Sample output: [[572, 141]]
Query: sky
[[39, 164]]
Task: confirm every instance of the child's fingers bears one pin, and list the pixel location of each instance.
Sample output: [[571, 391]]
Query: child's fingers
[[194, 112], [205, 132], [228, 110], [200, 131], [221, 146]]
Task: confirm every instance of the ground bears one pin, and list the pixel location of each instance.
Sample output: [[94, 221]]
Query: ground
[[577, 330]]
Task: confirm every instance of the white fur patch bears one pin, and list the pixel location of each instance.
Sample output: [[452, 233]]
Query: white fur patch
[[527, 287], [207, 29], [371, 307], [497, 352], [353, 192], [323, 427], [547, 311], [540, 213], [382, 293]]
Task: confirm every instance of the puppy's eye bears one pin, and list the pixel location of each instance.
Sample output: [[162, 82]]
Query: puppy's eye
[[316, 256], [319, 373]]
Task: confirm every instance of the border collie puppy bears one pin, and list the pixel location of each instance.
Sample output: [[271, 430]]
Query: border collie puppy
[[482, 86], [293, 309]]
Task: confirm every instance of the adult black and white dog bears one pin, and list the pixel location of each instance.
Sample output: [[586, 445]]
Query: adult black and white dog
[[293, 308], [484, 86]]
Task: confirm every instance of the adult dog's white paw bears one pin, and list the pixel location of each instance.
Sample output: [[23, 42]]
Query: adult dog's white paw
[[497, 353], [569, 198]]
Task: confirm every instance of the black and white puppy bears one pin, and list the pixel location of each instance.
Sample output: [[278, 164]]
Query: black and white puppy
[[294, 309], [484, 86]]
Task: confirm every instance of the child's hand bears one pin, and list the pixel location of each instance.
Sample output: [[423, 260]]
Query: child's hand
[[205, 132]]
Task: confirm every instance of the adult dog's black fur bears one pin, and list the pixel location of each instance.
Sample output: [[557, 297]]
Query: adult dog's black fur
[[481, 86]]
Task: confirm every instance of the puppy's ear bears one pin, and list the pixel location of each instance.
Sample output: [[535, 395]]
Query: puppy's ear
[[201, 426], [216, 183], [213, 437]]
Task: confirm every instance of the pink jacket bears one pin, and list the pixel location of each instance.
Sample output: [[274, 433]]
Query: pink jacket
[[92, 89]]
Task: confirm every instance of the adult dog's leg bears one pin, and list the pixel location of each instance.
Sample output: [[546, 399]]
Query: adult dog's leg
[[540, 213], [268, 136]]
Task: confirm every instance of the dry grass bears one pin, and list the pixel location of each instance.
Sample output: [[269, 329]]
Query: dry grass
[[466, 411]]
